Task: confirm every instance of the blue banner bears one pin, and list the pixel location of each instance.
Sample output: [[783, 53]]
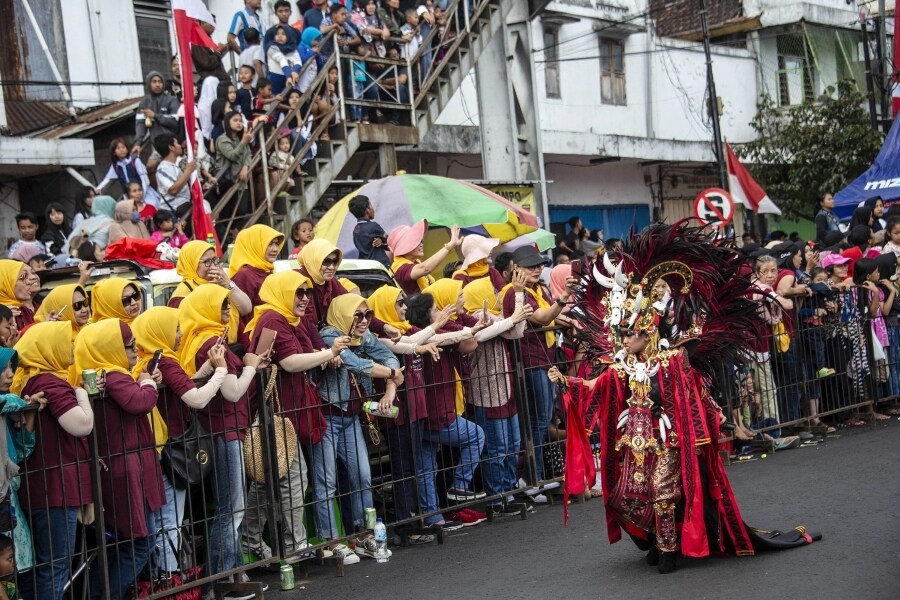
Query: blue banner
[[881, 179]]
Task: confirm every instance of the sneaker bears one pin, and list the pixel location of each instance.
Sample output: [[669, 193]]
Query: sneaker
[[366, 546], [539, 499], [503, 510], [456, 495], [788, 442], [261, 552], [825, 372], [805, 435], [304, 553], [468, 517], [451, 525], [535, 490], [345, 553]]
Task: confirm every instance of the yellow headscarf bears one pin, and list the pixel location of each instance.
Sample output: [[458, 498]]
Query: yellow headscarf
[[383, 301], [188, 262], [445, 293], [200, 316], [250, 248], [340, 314], [56, 299], [9, 274], [314, 254], [154, 330], [549, 336], [278, 293], [479, 268], [100, 346], [43, 348], [106, 299], [423, 282], [476, 293]]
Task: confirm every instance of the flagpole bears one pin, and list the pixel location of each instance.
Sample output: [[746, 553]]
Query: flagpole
[[713, 100]]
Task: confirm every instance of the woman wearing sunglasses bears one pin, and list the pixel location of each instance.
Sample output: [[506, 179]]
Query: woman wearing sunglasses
[[132, 482], [286, 297], [116, 298], [198, 264], [345, 388], [319, 261], [66, 303]]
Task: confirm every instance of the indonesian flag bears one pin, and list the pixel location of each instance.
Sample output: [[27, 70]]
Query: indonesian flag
[[188, 32], [744, 188], [895, 76]]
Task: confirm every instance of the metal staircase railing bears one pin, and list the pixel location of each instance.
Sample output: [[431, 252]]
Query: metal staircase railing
[[444, 58]]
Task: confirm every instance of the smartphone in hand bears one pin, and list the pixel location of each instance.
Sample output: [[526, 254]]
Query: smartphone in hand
[[154, 362]]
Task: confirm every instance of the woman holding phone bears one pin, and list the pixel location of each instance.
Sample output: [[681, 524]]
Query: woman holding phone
[[286, 297], [204, 315], [157, 331]]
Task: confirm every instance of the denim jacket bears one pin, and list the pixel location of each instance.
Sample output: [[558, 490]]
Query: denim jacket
[[334, 386]]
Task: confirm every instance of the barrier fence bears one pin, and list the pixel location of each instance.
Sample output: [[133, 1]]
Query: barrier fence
[[284, 475]]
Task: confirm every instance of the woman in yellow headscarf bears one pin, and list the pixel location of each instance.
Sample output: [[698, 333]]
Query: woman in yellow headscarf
[[407, 244], [116, 298], [476, 251], [285, 299], [57, 478], [198, 264], [319, 261], [203, 315], [255, 251], [350, 315], [17, 283], [157, 329], [72, 299], [489, 386], [132, 485]]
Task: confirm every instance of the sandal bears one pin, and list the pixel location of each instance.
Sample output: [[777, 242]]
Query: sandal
[[893, 411], [881, 417]]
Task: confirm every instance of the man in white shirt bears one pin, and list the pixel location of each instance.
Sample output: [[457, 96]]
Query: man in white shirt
[[243, 19], [172, 182]]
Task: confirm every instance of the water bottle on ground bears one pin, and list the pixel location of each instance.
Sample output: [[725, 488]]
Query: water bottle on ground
[[381, 553]]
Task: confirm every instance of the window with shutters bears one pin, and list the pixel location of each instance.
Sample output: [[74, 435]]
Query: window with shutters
[[796, 73], [551, 62], [154, 22], [612, 71]]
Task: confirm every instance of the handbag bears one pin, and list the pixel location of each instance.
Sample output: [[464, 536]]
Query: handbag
[[312, 421], [782, 341], [285, 437], [188, 457], [372, 429]]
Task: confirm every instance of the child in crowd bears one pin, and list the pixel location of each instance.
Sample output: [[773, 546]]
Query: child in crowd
[[27, 224], [7, 569], [881, 300], [9, 333], [245, 97], [280, 162], [359, 79], [283, 61], [812, 313], [302, 233], [167, 230], [252, 55]]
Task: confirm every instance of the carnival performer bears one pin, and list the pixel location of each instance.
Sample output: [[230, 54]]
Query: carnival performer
[[663, 480]]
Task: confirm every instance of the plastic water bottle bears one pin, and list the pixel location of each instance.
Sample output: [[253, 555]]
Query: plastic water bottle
[[381, 553]]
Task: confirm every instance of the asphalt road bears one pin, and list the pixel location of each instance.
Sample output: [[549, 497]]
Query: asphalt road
[[847, 488]]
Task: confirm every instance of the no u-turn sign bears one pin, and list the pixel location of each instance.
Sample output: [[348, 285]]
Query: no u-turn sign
[[715, 207]]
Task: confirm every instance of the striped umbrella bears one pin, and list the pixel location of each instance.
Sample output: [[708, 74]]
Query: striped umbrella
[[405, 199]]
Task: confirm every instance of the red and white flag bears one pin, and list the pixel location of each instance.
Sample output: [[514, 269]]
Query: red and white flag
[[188, 32], [895, 76], [744, 189]]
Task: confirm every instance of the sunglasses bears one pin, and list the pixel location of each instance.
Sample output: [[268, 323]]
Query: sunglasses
[[132, 346], [76, 306], [330, 262], [304, 293], [135, 297], [364, 316]]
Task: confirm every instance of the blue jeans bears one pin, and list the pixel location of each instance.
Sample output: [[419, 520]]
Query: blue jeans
[[164, 526], [503, 443], [343, 440], [53, 534], [405, 444], [784, 369], [358, 91], [462, 434], [127, 558], [539, 391], [224, 547]]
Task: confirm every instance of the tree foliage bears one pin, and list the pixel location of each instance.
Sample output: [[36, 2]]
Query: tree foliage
[[812, 148]]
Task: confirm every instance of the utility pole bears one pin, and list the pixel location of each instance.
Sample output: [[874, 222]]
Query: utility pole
[[870, 88], [713, 101], [884, 70]]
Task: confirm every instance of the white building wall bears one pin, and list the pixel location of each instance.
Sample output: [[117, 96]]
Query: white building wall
[[573, 181]]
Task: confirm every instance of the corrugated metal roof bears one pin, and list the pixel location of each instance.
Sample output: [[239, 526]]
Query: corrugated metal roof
[[26, 116], [95, 118]]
